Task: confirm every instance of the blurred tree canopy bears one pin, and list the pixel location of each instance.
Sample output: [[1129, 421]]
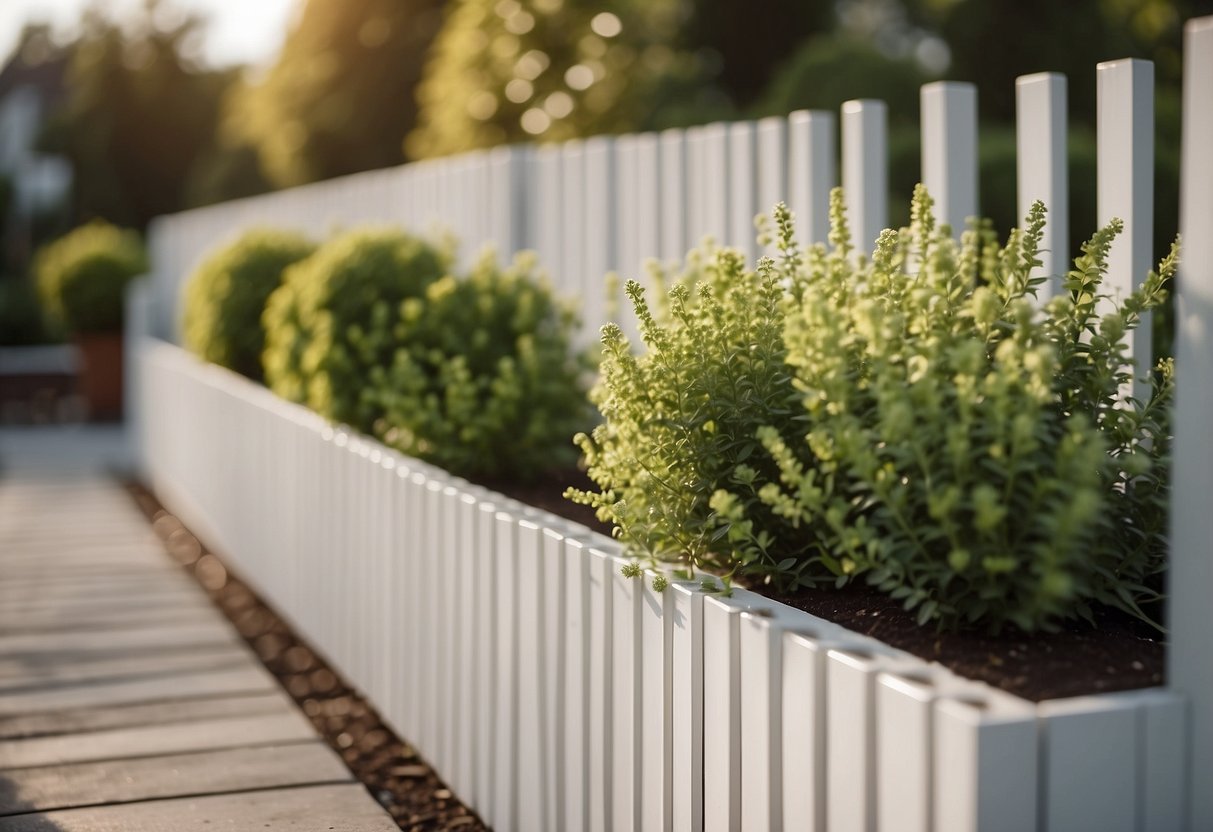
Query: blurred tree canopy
[[340, 97], [139, 115], [510, 70]]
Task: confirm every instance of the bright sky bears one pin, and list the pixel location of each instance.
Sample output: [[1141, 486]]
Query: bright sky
[[240, 31]]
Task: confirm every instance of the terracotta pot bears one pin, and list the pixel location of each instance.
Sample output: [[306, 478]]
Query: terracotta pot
[[101, 374]]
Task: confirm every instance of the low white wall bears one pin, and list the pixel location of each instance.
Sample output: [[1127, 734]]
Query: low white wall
[[552, 693]]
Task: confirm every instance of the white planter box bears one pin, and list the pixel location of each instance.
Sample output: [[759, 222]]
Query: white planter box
[[554, 694]]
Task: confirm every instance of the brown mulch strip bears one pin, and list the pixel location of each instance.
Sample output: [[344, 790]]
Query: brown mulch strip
[[391, 769]]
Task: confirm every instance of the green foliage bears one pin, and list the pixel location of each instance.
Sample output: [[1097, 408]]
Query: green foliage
[[137, 118], [226, 296], [326, 325], [340, 98], [677, 457], [82, 276], [979, 463], [484, 381], [513, 70], [827, 71], [915, 419], [21, 320]]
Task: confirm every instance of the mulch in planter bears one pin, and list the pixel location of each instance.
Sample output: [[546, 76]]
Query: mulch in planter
[[388, 766], [1120, 654]]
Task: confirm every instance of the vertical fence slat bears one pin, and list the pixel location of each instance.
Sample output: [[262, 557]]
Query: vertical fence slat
[[575, 759], [531, 736], [865, 169], [553, 596], [686, 697], [1125, 137], [1190, 579], [467, 742], [626, 680], [656, 774], [674, 212], [743, 185], [986, 765], [599, 713], [1089, 781], [721, 716], [504, 814], [903, 759], [627, 225], [1042, 172], [487, 662], [772, 175], [949, 150], [600, 239], [649, 208], [760, 642], [713, 173], [547, 235], [573, 275], [812, 172]]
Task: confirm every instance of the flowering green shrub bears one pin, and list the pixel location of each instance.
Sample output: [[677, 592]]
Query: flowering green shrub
[[914, 418], [677, 454], [225, 298], [484, 380], [326, 325], [964, 450], [82, 276]]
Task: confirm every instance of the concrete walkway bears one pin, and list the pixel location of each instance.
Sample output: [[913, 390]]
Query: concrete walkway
[[127, 701]]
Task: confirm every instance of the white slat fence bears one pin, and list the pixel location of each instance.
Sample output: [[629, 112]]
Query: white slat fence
[[551, 692]]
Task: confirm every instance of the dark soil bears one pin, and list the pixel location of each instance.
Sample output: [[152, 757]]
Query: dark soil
[[1120, 654], [388, 766]]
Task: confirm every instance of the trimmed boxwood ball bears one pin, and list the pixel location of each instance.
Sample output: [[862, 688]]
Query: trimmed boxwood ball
[[484, 381], [326, 325], [82, 276], [225, 298]]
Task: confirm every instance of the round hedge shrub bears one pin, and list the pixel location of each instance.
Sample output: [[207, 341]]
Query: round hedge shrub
[[225, 298], [485, 381], [82, 276], [326, 325]]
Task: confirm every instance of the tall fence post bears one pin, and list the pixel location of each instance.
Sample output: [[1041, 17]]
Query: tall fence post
[[865, 169], [1190, 657], [949, 150], [1041, 170], [812, 171], [1125, 136]]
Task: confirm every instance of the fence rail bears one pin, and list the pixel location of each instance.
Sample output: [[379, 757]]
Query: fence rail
[[551, 692]]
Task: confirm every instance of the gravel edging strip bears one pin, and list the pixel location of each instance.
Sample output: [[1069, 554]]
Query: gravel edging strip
[[391, 769]]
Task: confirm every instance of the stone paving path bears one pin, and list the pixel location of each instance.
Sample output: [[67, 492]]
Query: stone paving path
[[127, 702]]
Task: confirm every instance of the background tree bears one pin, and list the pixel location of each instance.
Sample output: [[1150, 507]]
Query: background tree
[[339, 99], [139, 114], [513, 70]]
